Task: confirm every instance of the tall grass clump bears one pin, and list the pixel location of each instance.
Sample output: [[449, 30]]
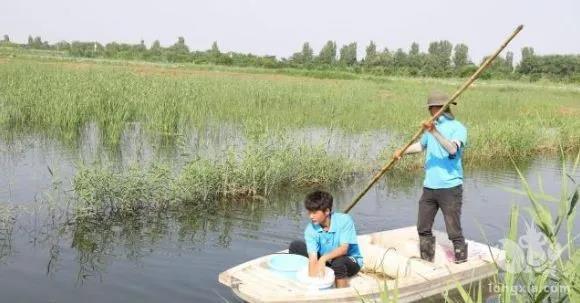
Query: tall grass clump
[[257, 171], [102, 191]]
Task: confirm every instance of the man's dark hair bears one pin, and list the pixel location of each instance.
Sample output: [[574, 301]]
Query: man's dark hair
[[318, 200]]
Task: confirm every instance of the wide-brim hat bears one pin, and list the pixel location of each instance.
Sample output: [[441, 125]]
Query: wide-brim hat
[[437, 98]]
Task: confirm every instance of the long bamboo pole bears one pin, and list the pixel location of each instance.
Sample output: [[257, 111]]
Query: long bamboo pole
[[466, 85]]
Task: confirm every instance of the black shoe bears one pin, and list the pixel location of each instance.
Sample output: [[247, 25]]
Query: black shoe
[[427, 248], [460, 252]]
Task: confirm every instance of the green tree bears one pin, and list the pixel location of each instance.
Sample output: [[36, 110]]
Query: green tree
[[415, 60], [307, 53], [86, 49], [179, 52], [296, 58], [112, 50], [556, 67], [217, 57], [155, 51], [460, 56], [155, 45], [527, 52], [371, 56], [439, 58], [62, 46], [180, 45], [385, 60], [509, 61], [499, 69], [304, 56], [215, 50], [327, 54], [400, 62], [348, 54], [142, 47], [528, 64], [5, 41], [37, 43], [414, 49]]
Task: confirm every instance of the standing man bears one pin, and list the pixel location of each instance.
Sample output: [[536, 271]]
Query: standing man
[[443, 143]]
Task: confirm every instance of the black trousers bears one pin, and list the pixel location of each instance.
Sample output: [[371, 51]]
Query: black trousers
[[343, 266], [450, 201]]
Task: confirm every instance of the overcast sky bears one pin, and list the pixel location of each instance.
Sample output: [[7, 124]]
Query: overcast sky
[[277, 27]]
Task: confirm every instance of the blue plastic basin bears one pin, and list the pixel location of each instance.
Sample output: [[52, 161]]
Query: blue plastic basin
[[287, 264]]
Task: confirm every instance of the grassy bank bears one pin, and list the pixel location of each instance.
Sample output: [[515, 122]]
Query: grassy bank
[[59, 98]]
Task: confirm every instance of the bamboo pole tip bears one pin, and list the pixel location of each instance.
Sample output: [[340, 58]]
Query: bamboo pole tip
[[520, 27]]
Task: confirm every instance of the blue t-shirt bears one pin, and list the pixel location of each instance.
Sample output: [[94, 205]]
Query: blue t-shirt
[[341, 231], [441, 169]]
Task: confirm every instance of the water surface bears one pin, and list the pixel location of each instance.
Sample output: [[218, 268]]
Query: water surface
[[48, 257]]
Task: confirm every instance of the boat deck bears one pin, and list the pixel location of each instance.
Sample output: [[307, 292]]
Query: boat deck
[[391, 262]]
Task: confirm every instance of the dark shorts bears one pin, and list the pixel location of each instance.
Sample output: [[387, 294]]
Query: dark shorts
[[343, 266]]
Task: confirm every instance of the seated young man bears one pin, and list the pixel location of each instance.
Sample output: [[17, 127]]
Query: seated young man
[[330, 239]]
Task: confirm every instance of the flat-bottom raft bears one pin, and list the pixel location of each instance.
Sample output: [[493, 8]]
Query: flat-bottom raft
[[391, 260]]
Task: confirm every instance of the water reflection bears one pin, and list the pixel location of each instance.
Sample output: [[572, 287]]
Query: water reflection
[[95, 242], [7, 221]]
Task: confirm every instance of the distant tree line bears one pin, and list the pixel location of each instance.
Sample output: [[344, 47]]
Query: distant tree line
[[442, 59]]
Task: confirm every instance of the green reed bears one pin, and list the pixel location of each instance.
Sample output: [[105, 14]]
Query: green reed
[[59, 99], [252, 173]]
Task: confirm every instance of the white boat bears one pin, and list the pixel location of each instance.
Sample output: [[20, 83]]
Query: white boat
[[391, 260]]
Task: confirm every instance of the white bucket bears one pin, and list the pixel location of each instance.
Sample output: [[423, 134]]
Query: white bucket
[[314, 282]]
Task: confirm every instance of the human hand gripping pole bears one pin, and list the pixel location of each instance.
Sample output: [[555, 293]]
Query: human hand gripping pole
[[399, 153]]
